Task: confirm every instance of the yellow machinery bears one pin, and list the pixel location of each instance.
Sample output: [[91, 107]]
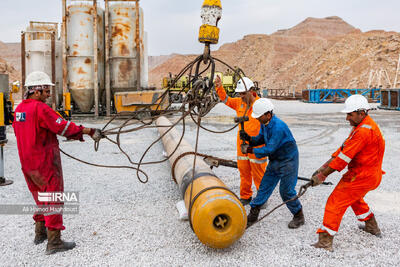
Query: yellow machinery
[[14, 89], [147, 100], [228, 82], [178, 90], [67, 105], [230, 78]]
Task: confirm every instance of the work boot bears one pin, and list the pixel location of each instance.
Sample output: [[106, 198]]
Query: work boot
[[297, 221], [40, 233], [55, 244], [253, 215], [245, 201], [325, 241], [371, 226]]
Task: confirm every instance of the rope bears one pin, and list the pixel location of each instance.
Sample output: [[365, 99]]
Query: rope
[[302, 191], [194, 169], [200, 99], [107, 166]]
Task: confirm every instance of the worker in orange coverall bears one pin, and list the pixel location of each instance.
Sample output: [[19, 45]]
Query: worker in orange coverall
[[362, 152], [250, 167], [36, 127]]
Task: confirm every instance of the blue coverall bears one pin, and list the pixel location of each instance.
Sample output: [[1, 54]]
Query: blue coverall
[[281, 149]]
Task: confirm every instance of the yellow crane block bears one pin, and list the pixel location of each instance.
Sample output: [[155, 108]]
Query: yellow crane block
[[216, 3], [211, 13]]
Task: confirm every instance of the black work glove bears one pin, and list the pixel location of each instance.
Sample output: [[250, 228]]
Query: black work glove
[[244, 136], [246, 148]]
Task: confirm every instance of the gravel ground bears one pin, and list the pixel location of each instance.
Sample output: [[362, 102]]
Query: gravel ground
[[124, 222]]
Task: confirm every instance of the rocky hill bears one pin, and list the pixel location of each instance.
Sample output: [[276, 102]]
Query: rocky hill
[[11, 52], [10, 60], [316, 53], [154, 61], [7, 68]]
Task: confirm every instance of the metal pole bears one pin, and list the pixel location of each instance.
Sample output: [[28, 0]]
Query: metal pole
[[4, 84], [95, 61], [138, 43], [53, 70], [107, 56], [1, 161], [23, 70], [3, 180], [65, 49]]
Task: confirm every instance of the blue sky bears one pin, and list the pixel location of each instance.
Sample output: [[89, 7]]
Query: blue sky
[[172, 25]]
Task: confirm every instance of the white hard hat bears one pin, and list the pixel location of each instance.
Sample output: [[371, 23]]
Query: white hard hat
[[355, 103], [37, 78], [261, 106], [240, 87]]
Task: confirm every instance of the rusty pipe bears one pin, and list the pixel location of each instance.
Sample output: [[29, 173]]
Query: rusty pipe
[[23, 63], [53, 70], [137, 41], [64, 50], [107, 58], [95, 61], [216, 214]]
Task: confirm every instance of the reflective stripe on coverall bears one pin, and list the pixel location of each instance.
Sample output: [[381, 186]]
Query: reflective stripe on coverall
[[250, 168], [280, 147], [363, 152], [36, 127]]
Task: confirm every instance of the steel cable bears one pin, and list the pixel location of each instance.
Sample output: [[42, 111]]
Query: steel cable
[[199, 100]]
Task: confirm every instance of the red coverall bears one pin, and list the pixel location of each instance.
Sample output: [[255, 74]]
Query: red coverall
[[363, 152], [250, 167], [36, 127]]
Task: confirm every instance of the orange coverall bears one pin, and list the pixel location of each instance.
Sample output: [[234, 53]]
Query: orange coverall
[[363, 152], [250, 167]]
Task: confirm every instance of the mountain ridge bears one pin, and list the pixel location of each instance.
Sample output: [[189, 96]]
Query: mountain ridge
[[308, 55]]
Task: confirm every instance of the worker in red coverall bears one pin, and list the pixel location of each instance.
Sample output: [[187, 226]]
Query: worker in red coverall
[[362, 152], [250, 167], [36, 127]]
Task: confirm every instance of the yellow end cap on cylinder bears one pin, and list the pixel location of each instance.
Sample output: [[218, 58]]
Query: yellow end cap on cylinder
[[218, 218], [212, 3], [208, 34]]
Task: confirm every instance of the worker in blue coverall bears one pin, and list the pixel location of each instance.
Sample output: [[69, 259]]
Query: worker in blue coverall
[[281, 149]]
